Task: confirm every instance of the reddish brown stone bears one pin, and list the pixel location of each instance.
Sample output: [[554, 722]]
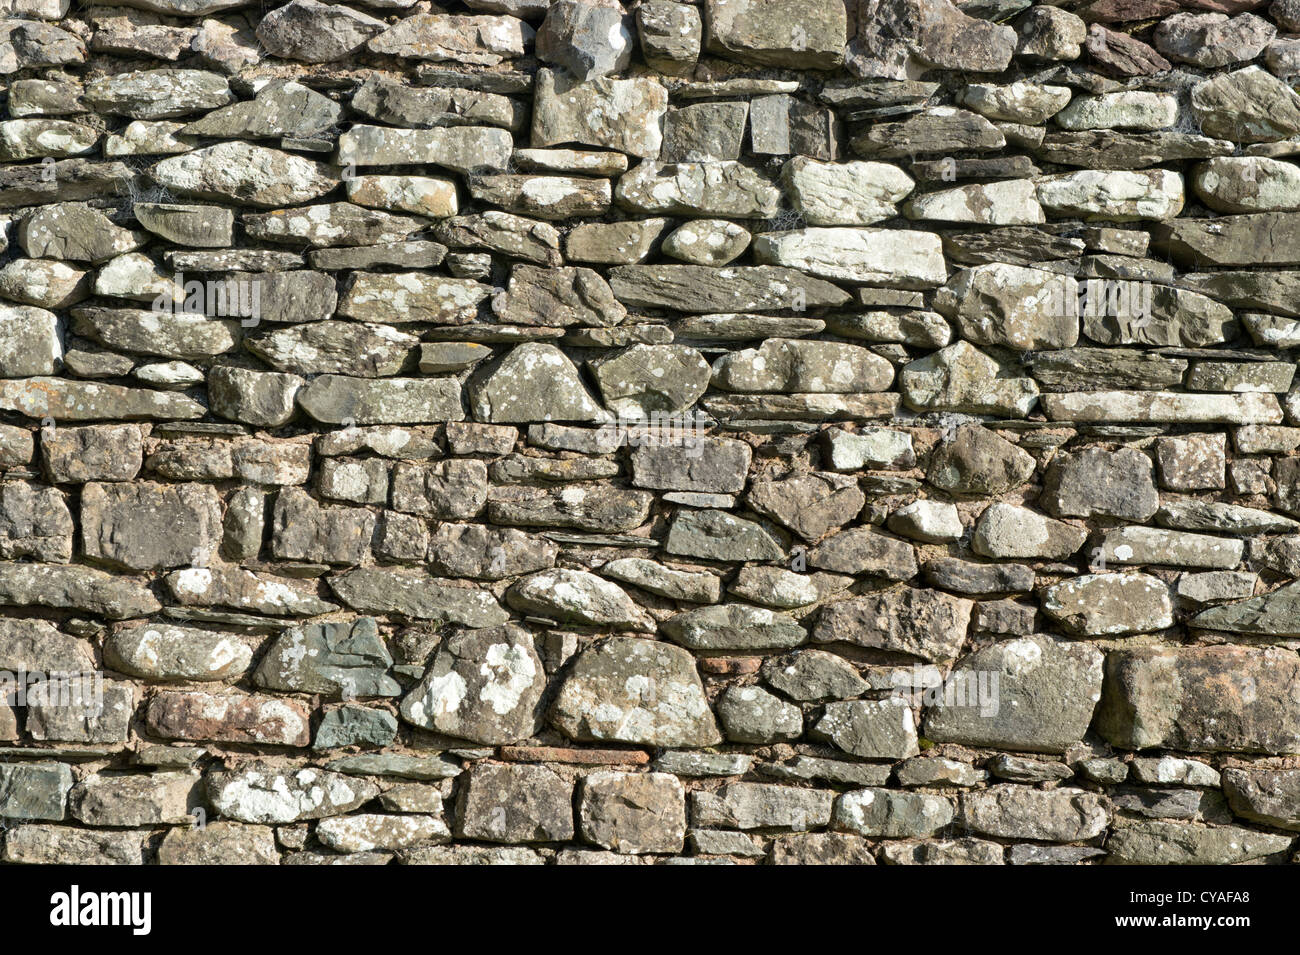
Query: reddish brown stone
[[577, 757], [229, 718], [730, 666], [1122, 54]]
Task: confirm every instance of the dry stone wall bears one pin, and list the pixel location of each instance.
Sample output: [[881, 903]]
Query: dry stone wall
[[780, 431]]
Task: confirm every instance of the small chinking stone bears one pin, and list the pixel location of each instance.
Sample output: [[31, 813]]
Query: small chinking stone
[[573, 432]]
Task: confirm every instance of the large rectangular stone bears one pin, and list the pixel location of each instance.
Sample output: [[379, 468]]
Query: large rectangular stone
[[1162, 407], [1202, 699]]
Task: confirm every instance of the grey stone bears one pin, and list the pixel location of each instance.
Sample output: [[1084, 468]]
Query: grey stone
[[637, 691], [515, 803], [482, 685], [1047, 692]]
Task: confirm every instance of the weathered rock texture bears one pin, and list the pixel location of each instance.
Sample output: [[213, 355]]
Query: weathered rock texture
[[800, 431]]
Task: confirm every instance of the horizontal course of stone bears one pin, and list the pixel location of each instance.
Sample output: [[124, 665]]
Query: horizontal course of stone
[[751, 431]]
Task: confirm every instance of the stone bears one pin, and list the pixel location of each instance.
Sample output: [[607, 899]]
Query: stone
[[305, 530], [446, 490], [482, 685], [222, 717], [752, 715], [810, 505], [34, 522], [932, 522], [977, 461], [1248, 105], [1013, 202], [891, 814], [870, 729], [701, 290], [558, 297], [1122, 54], [1212, 40], [346, 348], [1048, 689], [515, 803], [623, 115], [177, 654], [168, 335], [733, 627], [589, 41], [368, 832], [761, 806], [1021, 812], [614, 243], [578, 597], [44, 283], [706, 188], [901, 39], [1267, 796], [417, 596], [340, 659], [633, 812], [258, 398], [942, 129], [670, 35], [1095, 604], [869, 448], [120, 524], [534, 381], [1224, 700], [36, 791], [37, 844], [546, 197], [644, 379], [312, 32], [1002, 305], [1049, 33], [136, 799], [464, 149], [263, 794], [157, 94], [474, 40], [1247, 184], [631, 690], [923, 623], [1268, 614], [800, 366], [1019, 102], [1095, 482], [245, 173], [1149, 545], [851, 193], [219, 843], [1162, 406], [864, 550], [482, 553], [871, 256], [717, 535], [243, 590], [1114, 196], [1171, 843], [813, 675], [281, 108], [1006, 530], [74, 232], [707, 242], [716, 465], [962, 378], [598, 509], [334, 399]]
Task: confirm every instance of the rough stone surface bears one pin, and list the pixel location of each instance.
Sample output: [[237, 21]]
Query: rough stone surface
[[735, 432]]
